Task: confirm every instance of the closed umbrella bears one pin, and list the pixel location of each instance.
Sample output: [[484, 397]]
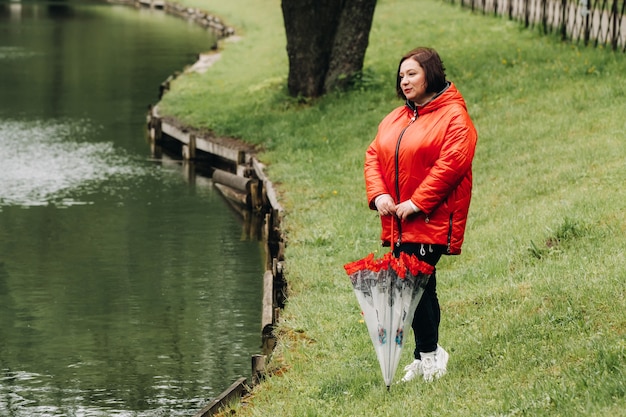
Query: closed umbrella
[[388, 290]]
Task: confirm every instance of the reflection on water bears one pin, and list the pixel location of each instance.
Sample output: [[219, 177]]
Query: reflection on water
[[12, 52], [45, 162], [124, 290]]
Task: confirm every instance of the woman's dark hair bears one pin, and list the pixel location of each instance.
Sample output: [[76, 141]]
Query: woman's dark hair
[[432, 65]]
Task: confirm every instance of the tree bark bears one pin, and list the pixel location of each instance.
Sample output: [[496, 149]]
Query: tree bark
[[350, 45], [326, 43]]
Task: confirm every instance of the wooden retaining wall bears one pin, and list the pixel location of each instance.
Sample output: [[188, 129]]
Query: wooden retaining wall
[[236, 172]]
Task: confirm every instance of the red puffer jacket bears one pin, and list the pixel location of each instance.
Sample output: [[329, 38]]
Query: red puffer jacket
[[425, 155]]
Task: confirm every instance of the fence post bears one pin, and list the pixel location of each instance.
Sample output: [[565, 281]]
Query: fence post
[[544, 16], [526, 13], [563, 20], [587, 13], [615, 31]]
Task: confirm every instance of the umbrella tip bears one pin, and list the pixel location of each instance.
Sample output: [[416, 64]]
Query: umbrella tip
[[388, 388]]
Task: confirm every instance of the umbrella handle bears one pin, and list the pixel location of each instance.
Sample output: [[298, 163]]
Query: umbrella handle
[[392, 222], [397, 242]]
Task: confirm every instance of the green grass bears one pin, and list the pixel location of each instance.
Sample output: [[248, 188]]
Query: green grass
[[533, 311]]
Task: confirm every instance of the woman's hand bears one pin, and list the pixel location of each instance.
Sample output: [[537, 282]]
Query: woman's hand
[[405, 209], [385, 205]]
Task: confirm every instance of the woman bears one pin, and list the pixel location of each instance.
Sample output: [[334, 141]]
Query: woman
[[418, 174]]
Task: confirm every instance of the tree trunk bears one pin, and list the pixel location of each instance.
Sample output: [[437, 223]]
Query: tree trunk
[[326, 43], [350, 44]]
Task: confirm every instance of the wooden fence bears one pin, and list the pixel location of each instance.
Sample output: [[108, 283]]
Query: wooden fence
[[596, 22]]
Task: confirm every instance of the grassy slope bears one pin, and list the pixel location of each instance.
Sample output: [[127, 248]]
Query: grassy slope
[[533, 310]]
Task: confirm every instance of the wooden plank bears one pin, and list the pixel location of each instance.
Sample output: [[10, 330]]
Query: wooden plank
[[271, 196], [235, 391], [174, 132], [267, 316], [233, 181], [259, 170], [235, 155], [258, 368], [233, 195], [256, 199]]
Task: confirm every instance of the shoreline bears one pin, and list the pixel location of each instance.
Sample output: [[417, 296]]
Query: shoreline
[[245, 167]]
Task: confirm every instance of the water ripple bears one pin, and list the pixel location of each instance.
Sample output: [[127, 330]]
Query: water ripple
[[15, 52], [49, 162]]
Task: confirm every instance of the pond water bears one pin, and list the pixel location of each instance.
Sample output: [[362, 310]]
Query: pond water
[[125, 290]]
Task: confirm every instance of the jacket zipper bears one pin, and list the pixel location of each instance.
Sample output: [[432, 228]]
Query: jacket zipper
[[397, 162], [449, 232]]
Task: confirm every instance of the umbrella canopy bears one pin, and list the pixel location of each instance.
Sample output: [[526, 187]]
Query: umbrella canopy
[[388, 290]]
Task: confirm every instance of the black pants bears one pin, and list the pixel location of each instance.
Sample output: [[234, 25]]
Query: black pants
[[428, 314]]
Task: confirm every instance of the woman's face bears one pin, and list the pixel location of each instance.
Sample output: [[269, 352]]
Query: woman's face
[[413, 81]]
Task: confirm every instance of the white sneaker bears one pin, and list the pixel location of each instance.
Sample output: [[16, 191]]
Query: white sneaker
[[412, 370], [434, 364]]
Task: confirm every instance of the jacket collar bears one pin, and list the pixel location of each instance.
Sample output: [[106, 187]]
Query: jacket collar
[[414, 106]]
